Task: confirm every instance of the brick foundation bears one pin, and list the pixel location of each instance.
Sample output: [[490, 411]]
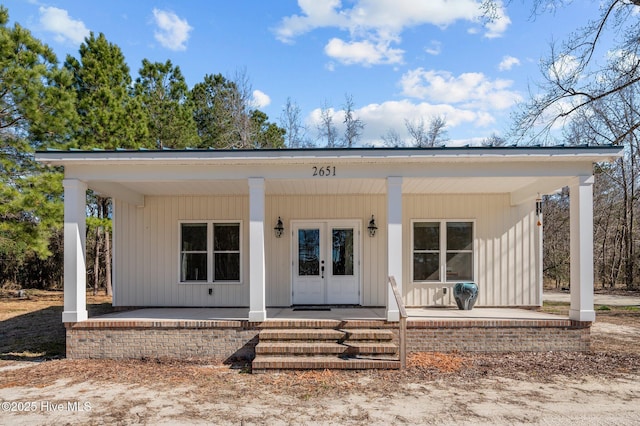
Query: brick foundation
[[498, 336], [236, 340], [219, 340]]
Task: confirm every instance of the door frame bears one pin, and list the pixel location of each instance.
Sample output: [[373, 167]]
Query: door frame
[[327, 224]]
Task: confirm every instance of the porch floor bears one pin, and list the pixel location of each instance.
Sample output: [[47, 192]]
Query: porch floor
[[359, 313]]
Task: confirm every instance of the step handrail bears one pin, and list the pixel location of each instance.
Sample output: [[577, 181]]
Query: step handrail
[[402, 332]]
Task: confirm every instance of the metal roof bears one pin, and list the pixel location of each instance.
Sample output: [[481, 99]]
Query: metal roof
[[591, 152]]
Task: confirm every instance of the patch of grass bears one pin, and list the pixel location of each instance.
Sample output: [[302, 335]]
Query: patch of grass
[[630, 308], [553, 303], [557, 308], [603, 308]]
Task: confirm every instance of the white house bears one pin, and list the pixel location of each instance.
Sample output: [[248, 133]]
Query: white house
[[198, 228]]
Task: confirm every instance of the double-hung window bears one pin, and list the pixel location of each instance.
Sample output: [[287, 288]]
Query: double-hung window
[[210, 252], [442, 251]]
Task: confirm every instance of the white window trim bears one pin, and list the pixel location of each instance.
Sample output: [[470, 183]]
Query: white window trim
[[210, 265], [443, 252]]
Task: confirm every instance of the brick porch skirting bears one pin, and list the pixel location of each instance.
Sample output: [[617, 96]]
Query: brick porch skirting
[[561, 335], [236, 340], [218, 340]]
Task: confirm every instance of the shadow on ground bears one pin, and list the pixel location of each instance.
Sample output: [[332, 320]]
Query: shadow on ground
[[38, 335]]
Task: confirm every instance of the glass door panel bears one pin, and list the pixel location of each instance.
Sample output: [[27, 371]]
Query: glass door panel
[[342, 251], [309, 252]]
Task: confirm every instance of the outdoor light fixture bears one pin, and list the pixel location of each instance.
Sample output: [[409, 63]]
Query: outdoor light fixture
[[538, 207], [539, 210], [279, 228], [372, 227]]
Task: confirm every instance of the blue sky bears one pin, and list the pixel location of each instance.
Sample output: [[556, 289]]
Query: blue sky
[[398, 59]]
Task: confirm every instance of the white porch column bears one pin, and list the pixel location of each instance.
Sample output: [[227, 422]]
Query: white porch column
[[394, 242], [257, 306], [75, 271], [581, 229]]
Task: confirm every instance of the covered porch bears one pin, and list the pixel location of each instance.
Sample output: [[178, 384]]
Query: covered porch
[[492, 189]]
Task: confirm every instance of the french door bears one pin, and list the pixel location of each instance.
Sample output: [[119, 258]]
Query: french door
[[326, 263]]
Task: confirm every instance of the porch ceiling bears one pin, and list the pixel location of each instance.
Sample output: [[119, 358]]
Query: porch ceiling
[[462, 185]]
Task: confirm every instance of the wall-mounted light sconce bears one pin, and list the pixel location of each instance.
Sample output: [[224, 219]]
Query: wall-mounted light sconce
[[539, 210], [279, 228], [538, 206], [372, 227]]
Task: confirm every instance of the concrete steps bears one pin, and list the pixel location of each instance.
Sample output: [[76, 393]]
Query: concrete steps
[[327, 347]]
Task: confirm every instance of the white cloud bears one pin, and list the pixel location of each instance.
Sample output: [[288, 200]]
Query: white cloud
[[376, 24], [466, 101], [499, 24], [315, 14], [435, 48], [380, 118], [625, 61], [173, 32], [564, 67], [508, 62], [62, 25], [260, 99], [471, 90], [362, 52]]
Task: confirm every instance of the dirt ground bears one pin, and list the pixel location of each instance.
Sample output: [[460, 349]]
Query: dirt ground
[[39, 386]]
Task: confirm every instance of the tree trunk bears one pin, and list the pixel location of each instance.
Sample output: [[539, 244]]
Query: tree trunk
[[107, 261], [96, 261]]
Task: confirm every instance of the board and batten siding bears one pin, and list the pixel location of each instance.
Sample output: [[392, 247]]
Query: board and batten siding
[[146, 256], [146, 247], [147, 251], [506, 248]]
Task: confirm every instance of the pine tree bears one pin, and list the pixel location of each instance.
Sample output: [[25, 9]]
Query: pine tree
[[36, 109], [226, 119], [163, 93], [110, 117], [211, 100]]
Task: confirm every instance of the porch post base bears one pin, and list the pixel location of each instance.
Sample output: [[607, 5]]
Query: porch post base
[[75, 316], [582, 315], [393, 315], [257, 316]]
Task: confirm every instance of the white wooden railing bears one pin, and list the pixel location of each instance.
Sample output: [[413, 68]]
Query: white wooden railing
[[402, 333]]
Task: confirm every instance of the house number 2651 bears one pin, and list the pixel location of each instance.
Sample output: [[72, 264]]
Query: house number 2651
[[324, 171]]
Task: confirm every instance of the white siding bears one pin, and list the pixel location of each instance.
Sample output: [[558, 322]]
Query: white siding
[[146, 251], [505, 248]]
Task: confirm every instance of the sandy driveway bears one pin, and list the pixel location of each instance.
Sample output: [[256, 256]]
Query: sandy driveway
[[496, 401]]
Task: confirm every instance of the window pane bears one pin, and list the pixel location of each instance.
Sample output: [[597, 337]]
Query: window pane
[[227, 267], [193, 267], [308, 252], [459, 267], [226, 237], [459, 236], [426, 236], [426, 266], [194, 237], [342, 250]]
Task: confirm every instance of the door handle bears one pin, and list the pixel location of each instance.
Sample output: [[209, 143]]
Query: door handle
[[322, 269]]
